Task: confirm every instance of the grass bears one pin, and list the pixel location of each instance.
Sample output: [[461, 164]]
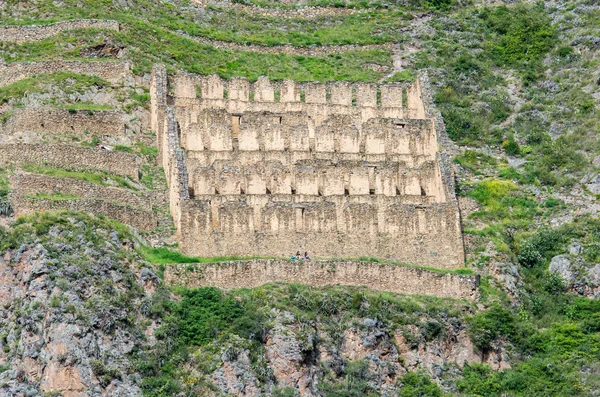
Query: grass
[[165, 256], [68, 82], [56, 196], [100, 178], [150, 42], [232, 26], [90, 107]]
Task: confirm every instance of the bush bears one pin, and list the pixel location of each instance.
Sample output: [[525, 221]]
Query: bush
[[486, 327], [204, 313], [554, 284], [418, 385], [523, 33], [511, 147]]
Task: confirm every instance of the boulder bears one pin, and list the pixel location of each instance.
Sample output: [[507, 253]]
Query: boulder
[[561, 265]]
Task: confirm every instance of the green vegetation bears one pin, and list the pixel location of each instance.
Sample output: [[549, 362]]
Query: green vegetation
[[405, 76], [418, 385], [56, 196], [99, 178], [165, 256], [356, 4], [363, 28], [69, 82], [5, 206], [90, 107], [206, 323], [150, 42]]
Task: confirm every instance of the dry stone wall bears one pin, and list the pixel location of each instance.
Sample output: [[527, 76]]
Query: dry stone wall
[[63, 121], [381, 277], [71, 157], [338, 169], [288, 49], [25, 184], [114, 72], [22, 34], [140, 219]]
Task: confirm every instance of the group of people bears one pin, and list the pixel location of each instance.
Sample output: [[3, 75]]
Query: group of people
[[299, 256]]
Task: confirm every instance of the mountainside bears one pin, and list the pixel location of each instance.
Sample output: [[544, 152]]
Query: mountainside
[[86, 306]]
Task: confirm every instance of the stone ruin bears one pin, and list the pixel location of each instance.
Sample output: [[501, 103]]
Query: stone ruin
[[339, 170]]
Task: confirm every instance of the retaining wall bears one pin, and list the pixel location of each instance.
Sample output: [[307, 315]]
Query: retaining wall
[[22, 34], [142, 220], [71, 157], [381, 277], [32, 184], [114, 72], [46, 119]]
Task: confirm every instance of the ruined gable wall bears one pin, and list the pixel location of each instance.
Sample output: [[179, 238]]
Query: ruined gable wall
[[375, 276], [114, 72], [71, 157], [238, 95], [46, 119], [22, 34]]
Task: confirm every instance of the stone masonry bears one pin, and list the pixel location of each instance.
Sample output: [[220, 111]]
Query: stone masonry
[[337, 169]]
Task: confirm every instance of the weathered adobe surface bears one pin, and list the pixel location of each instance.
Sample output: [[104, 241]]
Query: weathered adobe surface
[[71, 157], [114, 72], [22, 34], [376, 276], [64, 121]]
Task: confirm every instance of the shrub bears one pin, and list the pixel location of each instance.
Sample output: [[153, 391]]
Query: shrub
[[486, 327], [418, 385], [204, 313], [523, 33], [511, 147], [554, 284]]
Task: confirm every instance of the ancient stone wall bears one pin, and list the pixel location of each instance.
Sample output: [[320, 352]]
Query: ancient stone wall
[[158, 103], [71, 157], [421, 234], [78, 122], [25, 184], [337, 169], [140, 219], [239, 96], [114, 72], [376, 276], [22, 34]]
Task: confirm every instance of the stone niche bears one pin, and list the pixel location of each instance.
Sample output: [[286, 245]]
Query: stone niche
[[338, 169]]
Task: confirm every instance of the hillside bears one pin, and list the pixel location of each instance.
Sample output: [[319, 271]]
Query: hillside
[[91, 259]]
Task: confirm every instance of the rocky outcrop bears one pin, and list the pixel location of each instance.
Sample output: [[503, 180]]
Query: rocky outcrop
[[66, 306], [577, 274]]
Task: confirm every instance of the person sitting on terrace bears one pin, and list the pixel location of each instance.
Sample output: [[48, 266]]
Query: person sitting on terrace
[[297, 256], [306, 257]]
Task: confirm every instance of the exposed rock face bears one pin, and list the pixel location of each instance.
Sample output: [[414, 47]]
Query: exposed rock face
[[236, 376], [66, 307], [561, 265], [578, 275], [291, 353], [372, 343]]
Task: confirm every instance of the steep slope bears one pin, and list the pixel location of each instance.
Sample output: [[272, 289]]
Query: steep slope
[[84, 314]]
